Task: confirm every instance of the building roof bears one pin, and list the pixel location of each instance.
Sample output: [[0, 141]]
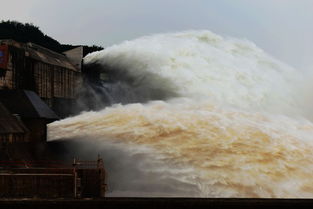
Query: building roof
[[42, 54], [9, 124], [27, 104]]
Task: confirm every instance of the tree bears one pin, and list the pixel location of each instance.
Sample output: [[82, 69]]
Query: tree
[[30, 33]]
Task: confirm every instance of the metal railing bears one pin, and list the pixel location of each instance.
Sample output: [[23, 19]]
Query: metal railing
[[57, 168]]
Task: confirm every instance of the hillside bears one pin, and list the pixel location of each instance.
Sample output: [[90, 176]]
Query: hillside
[[30, 33]]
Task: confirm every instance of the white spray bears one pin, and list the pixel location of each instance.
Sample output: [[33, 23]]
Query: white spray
[[238, 127]]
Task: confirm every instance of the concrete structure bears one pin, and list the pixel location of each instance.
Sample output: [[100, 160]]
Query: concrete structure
[[35, 84], [51, 75], [75, 56], [11, 128], [32, 111]]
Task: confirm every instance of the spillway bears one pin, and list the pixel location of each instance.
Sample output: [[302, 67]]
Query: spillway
[[209, 116]]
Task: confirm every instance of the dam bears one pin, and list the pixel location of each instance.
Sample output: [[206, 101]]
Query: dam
[[190, 115]]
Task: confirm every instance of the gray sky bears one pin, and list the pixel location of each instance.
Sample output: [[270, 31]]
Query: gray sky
[[281, 27]]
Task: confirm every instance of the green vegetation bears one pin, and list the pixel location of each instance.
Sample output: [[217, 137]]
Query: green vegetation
[[30, 33]]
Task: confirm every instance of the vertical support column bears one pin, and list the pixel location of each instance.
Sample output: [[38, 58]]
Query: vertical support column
[[102, 176], [75, 177]]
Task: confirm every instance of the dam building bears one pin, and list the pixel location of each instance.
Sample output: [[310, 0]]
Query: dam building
[[37, 87], [54, 77]]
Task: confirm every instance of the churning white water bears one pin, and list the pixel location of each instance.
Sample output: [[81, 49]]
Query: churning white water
[[237, 127]]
